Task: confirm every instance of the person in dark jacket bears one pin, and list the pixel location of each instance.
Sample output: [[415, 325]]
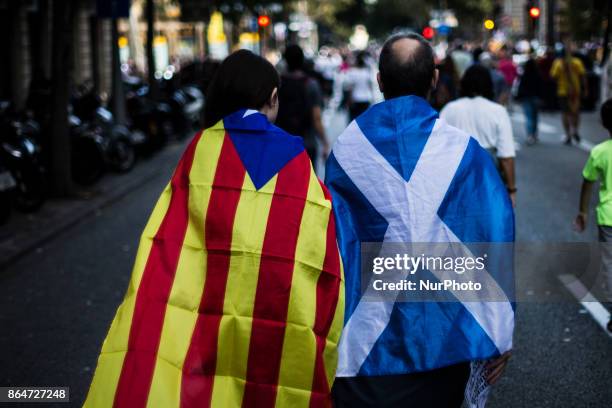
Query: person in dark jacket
[[529, 92], [301, 105]]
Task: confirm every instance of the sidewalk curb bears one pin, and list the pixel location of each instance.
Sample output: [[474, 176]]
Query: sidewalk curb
[[86, 208]]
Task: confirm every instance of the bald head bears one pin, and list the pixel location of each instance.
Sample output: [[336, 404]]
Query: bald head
[[404, 49], [406, 66]]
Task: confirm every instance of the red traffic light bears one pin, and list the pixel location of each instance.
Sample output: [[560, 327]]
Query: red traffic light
[[263, 21], [534, 12], [428, 33]]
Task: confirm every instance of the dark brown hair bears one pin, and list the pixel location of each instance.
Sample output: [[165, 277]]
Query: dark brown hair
[[243, 81]]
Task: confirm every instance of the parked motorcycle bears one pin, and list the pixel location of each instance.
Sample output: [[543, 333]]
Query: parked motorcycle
[[122, 143], [7, 192], [151, 119], [186, 105], [20, 153], [194, 106], [89, 147]]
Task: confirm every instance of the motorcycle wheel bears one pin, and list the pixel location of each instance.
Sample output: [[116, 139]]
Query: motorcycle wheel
[[6, 200], [87, 162], [167, 131], [122, 156], [30, 193]]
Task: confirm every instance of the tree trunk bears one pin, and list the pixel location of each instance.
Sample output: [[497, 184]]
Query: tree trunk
[[150, 15], [63, 21], [17, 55], [118, 96], [94, 39]]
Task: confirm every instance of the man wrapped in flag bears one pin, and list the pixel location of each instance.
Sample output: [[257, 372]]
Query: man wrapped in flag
[[398, 174], [236, 297]]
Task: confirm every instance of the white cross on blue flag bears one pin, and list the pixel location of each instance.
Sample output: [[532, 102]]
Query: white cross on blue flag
[[400, 174]]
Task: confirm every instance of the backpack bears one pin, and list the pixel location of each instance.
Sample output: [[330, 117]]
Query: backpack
[[294, 112]]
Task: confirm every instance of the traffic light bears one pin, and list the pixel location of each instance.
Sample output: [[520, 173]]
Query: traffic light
[[489, 24], [263, 21], [534, 12], [428, 33], [533, 17]]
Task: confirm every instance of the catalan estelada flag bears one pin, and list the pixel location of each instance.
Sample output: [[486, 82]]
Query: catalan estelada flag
[[236, 297]]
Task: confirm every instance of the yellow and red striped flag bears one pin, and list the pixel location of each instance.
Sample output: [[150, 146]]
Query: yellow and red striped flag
[[237, 293]]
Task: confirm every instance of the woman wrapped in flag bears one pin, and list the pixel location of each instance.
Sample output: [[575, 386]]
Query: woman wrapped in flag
[[236, 297]]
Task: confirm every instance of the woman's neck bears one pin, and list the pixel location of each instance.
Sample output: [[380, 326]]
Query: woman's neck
[[268, 112]]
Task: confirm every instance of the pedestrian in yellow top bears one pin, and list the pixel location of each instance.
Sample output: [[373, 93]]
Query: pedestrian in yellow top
[[599, 168], [570, 75]]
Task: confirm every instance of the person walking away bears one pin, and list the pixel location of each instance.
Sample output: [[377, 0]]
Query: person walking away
[[506, 66], [448, 84], [360, 82], [529, 93], [501, 91], [549, 86], [462, 58], [301, 104], [569, 73], [236, 297], [488, 122], [599, 168], [400, 174]]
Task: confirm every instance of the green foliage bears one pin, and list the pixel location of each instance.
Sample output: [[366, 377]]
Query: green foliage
[[381, 17], [389, 15], [471, 12], [583, 19]]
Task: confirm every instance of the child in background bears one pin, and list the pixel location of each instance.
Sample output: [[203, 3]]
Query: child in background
[[599, 168]]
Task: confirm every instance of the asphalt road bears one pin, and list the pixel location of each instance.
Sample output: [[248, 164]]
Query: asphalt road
[[57, 303], [561, 357]]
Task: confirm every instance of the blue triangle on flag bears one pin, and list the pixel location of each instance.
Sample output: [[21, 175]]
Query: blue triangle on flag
[[264, 149]]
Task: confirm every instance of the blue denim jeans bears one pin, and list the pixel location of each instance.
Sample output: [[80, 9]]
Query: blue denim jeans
[[530, 107]]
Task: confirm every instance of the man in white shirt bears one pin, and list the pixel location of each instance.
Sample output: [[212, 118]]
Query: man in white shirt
[[487, 121]]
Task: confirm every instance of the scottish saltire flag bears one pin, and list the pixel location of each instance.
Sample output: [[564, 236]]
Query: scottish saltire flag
[[400, 174], [236, 297]]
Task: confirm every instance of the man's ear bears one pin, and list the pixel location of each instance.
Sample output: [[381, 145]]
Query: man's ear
[[380, 84], [434, 80]]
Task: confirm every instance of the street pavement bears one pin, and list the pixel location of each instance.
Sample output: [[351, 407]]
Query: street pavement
[[561, 357], [57, 302]]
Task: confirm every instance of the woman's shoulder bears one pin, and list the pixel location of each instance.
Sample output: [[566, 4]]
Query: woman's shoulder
[[283, 136], [458, 104], [497, 108], [454, 109]]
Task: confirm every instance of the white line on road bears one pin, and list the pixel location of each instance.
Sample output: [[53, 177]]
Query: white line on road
[[585, 145], [546, 128], [542, 127], [587, 300]]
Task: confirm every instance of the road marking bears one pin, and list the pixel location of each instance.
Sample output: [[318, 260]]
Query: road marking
[[587, 300], [585, 145], [542, 127]]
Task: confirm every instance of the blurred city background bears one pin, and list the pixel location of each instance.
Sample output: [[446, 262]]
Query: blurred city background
[[99, 98]]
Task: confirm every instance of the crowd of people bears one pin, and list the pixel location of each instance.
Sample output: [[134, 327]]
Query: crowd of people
[[257, 262]]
